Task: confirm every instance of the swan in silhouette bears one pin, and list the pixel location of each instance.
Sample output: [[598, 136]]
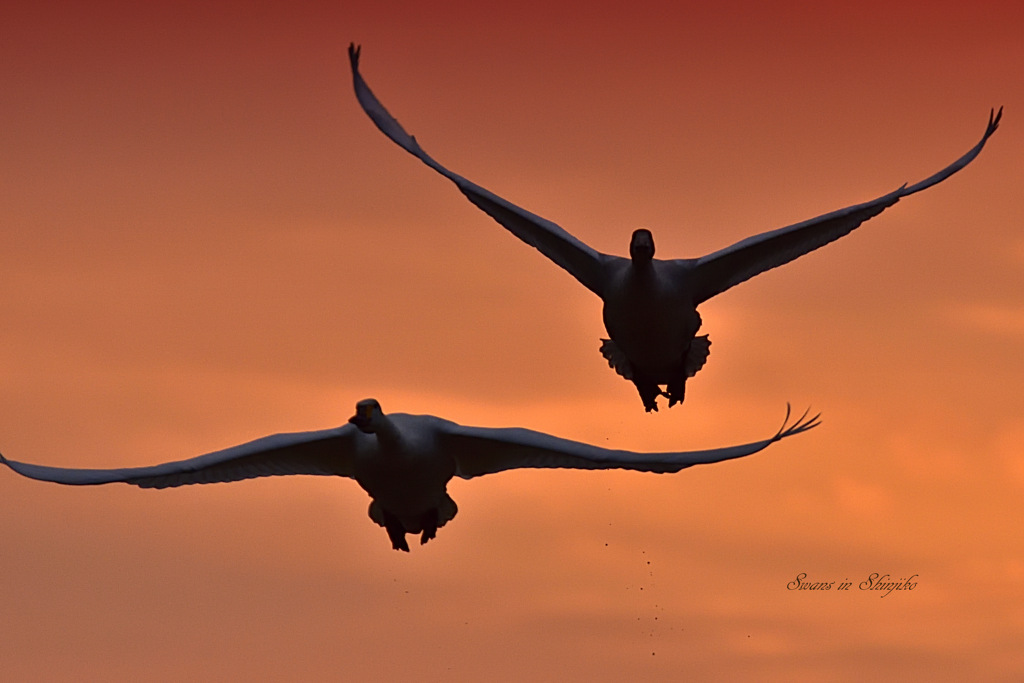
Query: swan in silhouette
[[650, 305], [403, 461]]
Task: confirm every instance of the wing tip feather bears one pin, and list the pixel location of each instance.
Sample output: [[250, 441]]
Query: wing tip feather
[[802, 424], [993, 121]]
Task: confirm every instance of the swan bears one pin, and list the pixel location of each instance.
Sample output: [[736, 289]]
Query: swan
[[404, 462], [650, 305]]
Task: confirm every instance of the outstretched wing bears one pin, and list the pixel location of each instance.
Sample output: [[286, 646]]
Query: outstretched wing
[[717, 272], [481, 450], [325, 452], [582, 262]]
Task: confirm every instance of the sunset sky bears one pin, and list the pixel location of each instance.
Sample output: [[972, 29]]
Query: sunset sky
[[206, 241]]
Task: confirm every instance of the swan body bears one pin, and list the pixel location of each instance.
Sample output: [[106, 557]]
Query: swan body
[[404, 462], [650, 305], [651, 323]]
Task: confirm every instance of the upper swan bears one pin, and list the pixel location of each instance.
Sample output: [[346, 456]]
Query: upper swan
[[650, 305]]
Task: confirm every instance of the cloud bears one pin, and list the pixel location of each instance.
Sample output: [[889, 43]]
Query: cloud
[[861, 498], [996, 319], [1008, 446]]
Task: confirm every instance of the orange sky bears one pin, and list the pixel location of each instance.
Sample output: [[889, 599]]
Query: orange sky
[[207, 241]]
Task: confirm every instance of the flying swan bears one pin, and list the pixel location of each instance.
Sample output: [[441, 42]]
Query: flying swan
[[650, 305], [403, 461]]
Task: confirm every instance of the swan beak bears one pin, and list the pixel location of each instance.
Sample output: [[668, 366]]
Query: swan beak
[[363, 423], [361, 419]]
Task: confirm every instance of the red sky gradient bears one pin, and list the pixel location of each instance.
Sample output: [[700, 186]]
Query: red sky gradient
[[206, 241]]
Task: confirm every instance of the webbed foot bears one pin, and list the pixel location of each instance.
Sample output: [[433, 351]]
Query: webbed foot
[[649, 393], [429, 522], [675, 393]]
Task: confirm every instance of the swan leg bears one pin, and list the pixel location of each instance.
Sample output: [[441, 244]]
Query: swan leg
[[648, 389], [694, 358], [429, 522], [676, 389], [396, 532]]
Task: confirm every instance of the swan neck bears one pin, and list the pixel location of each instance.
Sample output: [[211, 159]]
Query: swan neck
[[386, 432], [642, 267]]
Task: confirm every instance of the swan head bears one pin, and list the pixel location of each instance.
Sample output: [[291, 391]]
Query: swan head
[[368, 416], [641, 246]]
